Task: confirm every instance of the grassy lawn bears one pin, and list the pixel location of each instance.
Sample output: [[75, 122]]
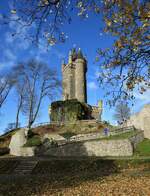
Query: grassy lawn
[[143, 148], [121, 135]]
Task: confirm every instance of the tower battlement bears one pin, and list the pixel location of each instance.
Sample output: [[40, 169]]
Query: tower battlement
[[74, 77]]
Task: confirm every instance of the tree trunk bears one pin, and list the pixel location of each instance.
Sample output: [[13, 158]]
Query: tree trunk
[[18, 111]]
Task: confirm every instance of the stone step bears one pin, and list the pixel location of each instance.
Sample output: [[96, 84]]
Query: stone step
[[25, 167]]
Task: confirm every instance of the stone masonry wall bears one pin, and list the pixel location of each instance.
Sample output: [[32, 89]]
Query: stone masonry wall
[[100, 148], [141, 120], [80, 80], [96, 147]]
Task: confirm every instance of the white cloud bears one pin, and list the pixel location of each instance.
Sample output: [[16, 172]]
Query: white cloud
[[92, 85], [140, 100], [9, 55], [145, 97], [5, 65], [9, 38]]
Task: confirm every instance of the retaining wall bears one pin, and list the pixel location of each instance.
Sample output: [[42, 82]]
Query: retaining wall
[[100, 148]]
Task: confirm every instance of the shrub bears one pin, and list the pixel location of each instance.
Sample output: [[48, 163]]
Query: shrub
[[70, 110], [33, 141]]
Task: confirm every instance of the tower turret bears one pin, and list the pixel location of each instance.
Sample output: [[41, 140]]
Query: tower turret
[[74, 76], [80, 77], [79, 54], [74, 54], [70, 57]]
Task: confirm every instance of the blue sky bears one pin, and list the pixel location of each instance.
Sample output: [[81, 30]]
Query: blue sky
[[86, 35]]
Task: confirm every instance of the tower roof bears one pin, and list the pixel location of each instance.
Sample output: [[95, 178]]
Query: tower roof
[[80, 54], [74, 54]]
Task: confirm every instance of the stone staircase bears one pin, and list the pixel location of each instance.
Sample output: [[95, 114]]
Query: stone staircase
[[25, 167]]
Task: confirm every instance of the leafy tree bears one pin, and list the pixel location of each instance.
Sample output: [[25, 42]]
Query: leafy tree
[[125, 65], [47, 17], [122, 66], [36, 81], [122, 112]]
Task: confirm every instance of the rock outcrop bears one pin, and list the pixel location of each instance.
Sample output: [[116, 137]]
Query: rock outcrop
[[17, 142]]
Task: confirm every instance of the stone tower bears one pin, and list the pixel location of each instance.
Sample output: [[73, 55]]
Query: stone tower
[[74, 77]]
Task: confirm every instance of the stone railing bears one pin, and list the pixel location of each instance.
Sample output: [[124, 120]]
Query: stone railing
[[122, 130], [93, 136]]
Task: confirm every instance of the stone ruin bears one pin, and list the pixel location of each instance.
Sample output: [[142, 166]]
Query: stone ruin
[[141, 120], [74, 105]]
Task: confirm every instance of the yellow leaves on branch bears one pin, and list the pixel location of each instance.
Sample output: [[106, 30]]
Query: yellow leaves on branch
[[137, 42], [128, 7], [116, 62], [45, 2], [13, 11], [51, 41], [121, 42], [109, 23], [130, 85], [118, 44], [144, 12]]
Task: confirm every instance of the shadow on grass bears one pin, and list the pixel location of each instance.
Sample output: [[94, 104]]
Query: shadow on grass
[[52, 177], [55, 175]]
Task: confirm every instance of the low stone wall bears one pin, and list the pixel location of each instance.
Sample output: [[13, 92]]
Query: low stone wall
[[88, 136], [123, 130], [100, 148], [80, 145], [96, 147]]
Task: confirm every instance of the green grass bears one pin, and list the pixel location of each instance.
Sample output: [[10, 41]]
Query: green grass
[[33, 141], [122, 135], [143, 148]]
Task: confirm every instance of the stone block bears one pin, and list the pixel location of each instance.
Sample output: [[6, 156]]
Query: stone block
[[17, 141]]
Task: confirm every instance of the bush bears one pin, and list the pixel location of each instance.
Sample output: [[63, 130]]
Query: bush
[[33, 141], [4, 151], [70, 110]]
